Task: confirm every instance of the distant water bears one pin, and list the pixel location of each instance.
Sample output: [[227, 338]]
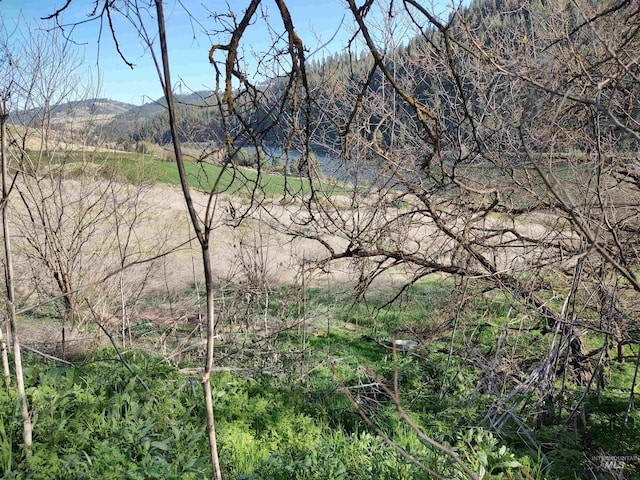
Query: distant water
[[331, 166]]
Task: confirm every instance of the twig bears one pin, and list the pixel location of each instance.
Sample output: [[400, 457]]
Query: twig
[[395, 398], [379, 431], [185, 349], [200, 370], [46, 355], [124, 362], [103, 279], [633, 389]]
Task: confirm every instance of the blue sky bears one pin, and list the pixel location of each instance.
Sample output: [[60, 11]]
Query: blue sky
[[316, 21]]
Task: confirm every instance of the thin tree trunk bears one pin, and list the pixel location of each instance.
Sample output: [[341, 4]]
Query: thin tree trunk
[[5, 360], [202, 236], [11, 308], [67, 317], [211, 426], [123, 309]]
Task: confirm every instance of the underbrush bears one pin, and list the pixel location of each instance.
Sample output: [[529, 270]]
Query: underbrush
[[281, 404], [95, 420]]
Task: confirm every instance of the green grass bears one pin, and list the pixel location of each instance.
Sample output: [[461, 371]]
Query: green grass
[[96, 421], [202, 176], [290, 419]]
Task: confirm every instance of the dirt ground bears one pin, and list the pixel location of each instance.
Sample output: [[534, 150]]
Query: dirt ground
[[165, 259], [251, 255]]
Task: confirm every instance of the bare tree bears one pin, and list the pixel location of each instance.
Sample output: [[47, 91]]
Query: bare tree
[[504, 152], [236, 131], [503, 156], [237, 108], [8, 181], [70, 199]]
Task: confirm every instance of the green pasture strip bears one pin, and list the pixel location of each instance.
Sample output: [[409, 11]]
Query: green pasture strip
[[203, 177], [136, 167], [520, 184], [88, 155]]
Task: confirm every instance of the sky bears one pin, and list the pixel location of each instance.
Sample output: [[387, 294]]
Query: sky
[[190, 37]]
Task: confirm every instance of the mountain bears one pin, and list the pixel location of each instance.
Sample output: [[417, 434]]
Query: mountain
[[120, 122], [79, 112], [151, 109], [149, 122], [506, 29], [102, 107]]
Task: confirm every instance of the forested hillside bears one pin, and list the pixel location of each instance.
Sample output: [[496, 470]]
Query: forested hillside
[[518, 32]]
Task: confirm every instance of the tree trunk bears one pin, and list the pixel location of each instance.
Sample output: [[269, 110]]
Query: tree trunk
[[67, 320], [580, 360], [206, 380], [203, 238], [5, 360], [11, 308]]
